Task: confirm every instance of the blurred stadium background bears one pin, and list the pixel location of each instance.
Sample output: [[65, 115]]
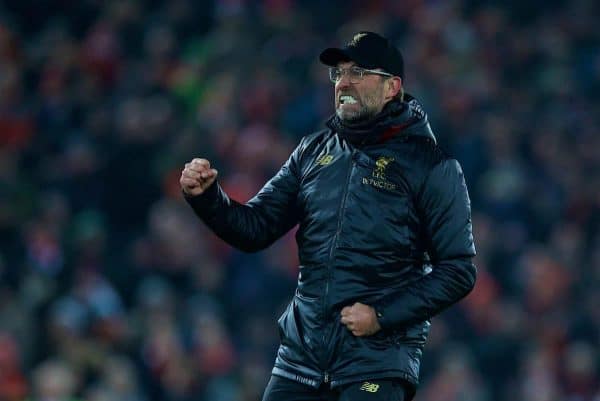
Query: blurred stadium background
[[110, 289]]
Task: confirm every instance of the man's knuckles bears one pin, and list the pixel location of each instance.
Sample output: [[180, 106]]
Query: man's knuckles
[[201, 162]]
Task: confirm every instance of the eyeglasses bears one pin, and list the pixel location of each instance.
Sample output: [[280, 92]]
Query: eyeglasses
[[355, 74]]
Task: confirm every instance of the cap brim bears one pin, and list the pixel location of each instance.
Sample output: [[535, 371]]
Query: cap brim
[[332, 56]]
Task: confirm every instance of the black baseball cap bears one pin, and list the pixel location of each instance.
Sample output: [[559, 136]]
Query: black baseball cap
[[367, 50]]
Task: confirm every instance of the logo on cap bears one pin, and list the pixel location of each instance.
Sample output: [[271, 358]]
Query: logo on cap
[[356, 38]]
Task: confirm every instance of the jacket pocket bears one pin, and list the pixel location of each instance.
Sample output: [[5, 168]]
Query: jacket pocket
[[414, 335], [379, 341], [289, 331]]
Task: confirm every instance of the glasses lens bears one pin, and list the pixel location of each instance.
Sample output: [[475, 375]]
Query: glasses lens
[[334, 74], [355, 74]]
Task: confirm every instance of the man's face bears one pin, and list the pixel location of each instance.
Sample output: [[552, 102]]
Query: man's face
[[361, 101]]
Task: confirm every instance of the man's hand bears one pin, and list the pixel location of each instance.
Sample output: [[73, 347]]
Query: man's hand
[[197, 176], [360, 319]]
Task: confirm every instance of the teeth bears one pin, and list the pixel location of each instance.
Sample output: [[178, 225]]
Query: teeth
[[347, 99]]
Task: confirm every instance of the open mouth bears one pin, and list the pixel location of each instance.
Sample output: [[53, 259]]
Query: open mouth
[[347, 99]]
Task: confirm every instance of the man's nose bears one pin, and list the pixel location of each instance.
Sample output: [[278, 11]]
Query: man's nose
[[344, 81]]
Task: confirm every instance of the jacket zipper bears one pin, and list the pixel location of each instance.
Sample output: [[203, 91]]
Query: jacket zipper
[[342, 207], [334, 244]]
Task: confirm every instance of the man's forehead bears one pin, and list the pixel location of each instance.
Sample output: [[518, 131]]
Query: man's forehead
[[346, 64]]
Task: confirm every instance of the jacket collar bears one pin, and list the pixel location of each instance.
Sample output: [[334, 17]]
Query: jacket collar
[[397, 118]]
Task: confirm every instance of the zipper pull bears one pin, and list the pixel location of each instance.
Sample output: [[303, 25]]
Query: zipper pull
[[326, 377]]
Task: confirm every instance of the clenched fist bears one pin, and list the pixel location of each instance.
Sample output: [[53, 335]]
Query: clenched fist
[[360, 319], [197, 176]]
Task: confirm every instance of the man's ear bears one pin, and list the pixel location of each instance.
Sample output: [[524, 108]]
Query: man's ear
[[393, 87]]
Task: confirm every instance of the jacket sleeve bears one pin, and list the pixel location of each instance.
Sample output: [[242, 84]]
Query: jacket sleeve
[[445, 208], [263, 219]]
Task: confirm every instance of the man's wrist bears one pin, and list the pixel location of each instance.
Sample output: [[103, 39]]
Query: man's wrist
[[203, 200]]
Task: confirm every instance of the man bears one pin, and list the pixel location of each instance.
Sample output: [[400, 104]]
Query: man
[[384, 236]]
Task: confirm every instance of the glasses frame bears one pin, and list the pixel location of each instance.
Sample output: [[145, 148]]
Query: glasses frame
[[359, 76]]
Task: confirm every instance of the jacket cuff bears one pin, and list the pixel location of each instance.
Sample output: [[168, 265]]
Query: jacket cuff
[[200, 202], [382, 318]]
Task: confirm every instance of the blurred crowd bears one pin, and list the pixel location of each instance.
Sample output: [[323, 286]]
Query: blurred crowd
[[110, 288]]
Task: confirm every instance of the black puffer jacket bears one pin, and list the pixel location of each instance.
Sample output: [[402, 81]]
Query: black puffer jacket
[[384, 219]]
